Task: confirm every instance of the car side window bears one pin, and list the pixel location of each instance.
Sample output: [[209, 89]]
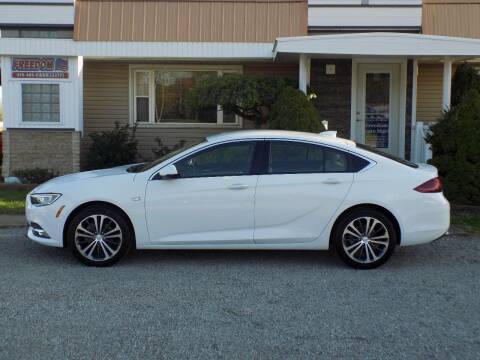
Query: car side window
[[232, 159], [290, 157]]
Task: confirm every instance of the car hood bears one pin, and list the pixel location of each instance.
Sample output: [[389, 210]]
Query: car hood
[[119, 170]]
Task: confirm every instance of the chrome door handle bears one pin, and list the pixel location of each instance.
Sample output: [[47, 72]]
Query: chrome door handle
[[238, 187], [331, 181]]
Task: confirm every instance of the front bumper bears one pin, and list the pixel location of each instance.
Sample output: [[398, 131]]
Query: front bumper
[[44, 219]]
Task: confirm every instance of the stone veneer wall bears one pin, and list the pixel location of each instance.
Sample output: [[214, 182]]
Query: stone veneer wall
[[334, 93], [57, 150]]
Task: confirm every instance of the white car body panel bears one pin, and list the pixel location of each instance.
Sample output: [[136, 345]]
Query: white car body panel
[[204, 203], [295, 208], [281, 212]]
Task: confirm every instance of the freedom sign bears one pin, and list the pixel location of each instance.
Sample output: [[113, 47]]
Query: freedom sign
[[39, 68]]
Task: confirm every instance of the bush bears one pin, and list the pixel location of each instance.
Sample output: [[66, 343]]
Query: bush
[[293, 111], [35, 176], [465, 78], [163, 150], [455, 142], [112, 148]]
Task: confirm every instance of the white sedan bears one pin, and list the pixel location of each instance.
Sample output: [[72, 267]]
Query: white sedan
[[246, 190]]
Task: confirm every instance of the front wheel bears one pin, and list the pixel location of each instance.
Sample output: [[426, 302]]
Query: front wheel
[[364, 238], [99, 236]]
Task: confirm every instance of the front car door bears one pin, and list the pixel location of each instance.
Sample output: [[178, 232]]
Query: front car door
[[303, 186], [212, 200]]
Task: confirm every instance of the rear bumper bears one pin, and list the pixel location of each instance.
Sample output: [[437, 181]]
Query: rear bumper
[[427, 220]]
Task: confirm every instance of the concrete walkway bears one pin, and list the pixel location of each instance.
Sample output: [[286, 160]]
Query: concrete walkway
[[12, 221]]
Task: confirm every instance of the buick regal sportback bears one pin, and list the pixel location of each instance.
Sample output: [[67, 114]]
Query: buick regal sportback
[[246, 190]]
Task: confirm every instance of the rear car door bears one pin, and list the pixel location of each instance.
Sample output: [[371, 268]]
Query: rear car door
[[303, 185], [211, 202]]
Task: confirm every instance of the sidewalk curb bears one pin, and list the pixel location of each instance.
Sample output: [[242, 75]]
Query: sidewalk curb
[[9, 221]]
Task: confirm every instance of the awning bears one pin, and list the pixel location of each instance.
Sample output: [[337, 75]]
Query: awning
[[379, 44]]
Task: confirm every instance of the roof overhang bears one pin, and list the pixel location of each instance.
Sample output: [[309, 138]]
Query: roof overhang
[[137, 50], [379, 44]]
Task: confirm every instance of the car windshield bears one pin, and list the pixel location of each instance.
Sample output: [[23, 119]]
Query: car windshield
[[147, 166], [388, 156]]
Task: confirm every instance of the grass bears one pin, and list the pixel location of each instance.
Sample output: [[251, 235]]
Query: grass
[[469, 223], [12, 201]]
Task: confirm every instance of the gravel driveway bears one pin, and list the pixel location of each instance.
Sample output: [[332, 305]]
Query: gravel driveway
[[424, 303]]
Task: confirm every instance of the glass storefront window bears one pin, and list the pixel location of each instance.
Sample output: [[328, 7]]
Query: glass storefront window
[[160, 98]]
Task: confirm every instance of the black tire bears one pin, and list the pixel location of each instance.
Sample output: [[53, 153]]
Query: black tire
[[345, 239], [112, 219]]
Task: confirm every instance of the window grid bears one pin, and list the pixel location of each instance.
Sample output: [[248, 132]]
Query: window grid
[[40, 103]]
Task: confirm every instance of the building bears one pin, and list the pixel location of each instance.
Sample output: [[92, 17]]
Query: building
[[381, 69]]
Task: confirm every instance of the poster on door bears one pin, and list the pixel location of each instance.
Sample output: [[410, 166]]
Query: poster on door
[[39, 68], [376, 126]]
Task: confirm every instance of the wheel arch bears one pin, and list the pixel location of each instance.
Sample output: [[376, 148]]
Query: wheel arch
[[90, 203], [379, 208]]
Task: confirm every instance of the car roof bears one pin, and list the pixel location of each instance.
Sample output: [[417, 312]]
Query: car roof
[[327, 137]]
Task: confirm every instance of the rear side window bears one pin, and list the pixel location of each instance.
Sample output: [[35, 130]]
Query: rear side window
[[388, 156], [290, 157]]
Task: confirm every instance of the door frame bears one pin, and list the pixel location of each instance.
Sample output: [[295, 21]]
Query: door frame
[[402, 96]]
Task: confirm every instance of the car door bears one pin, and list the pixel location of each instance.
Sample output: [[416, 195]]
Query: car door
[[303, 185], [211, 201]]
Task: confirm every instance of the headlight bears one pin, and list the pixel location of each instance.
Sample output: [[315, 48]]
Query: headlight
[[44, 199]]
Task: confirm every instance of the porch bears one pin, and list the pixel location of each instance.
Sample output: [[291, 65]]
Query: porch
[[367, 85]]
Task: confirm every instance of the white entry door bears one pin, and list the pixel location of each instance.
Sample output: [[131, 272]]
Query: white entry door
[[378, 106]]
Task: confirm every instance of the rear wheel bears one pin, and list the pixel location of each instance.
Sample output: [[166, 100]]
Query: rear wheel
[[99, 236], [364, 238]]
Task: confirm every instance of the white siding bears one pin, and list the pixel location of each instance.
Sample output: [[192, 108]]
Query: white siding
[[70, 97], [42, 14], [131, 50], [356, 13]]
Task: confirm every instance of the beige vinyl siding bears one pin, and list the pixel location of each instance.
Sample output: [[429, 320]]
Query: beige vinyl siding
[[106, 100], [451, 18], [429, 92], [189, 21]]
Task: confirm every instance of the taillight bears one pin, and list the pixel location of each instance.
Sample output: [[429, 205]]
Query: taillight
[[431, 186]]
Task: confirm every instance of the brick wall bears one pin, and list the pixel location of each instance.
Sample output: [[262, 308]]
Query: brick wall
[[333, 93], [57, 150]]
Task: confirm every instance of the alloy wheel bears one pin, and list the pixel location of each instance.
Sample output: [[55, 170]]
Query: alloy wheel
[[98, 237], [365, 240]]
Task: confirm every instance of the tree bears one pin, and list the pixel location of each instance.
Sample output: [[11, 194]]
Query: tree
[[466, 77], [248, 97], [455, 142], [293, 111]]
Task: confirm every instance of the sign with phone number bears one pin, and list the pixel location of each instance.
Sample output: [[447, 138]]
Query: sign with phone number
[[39, 68]]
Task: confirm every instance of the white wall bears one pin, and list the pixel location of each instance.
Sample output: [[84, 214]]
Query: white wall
[[44, 14], [71, 97], [378, 13]]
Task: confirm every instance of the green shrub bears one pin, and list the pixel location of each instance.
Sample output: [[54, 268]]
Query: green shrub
[[163, 150], [35, 175], [112, 148], [293, 111], [466, 77], [455, 142]]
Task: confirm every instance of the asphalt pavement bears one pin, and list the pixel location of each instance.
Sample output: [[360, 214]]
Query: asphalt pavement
[[424, 303]]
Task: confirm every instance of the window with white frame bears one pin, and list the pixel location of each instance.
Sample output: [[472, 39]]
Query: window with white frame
[[160, 96], [40, 103]]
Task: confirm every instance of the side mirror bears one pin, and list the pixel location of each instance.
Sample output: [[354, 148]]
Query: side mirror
[[168, 172]]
